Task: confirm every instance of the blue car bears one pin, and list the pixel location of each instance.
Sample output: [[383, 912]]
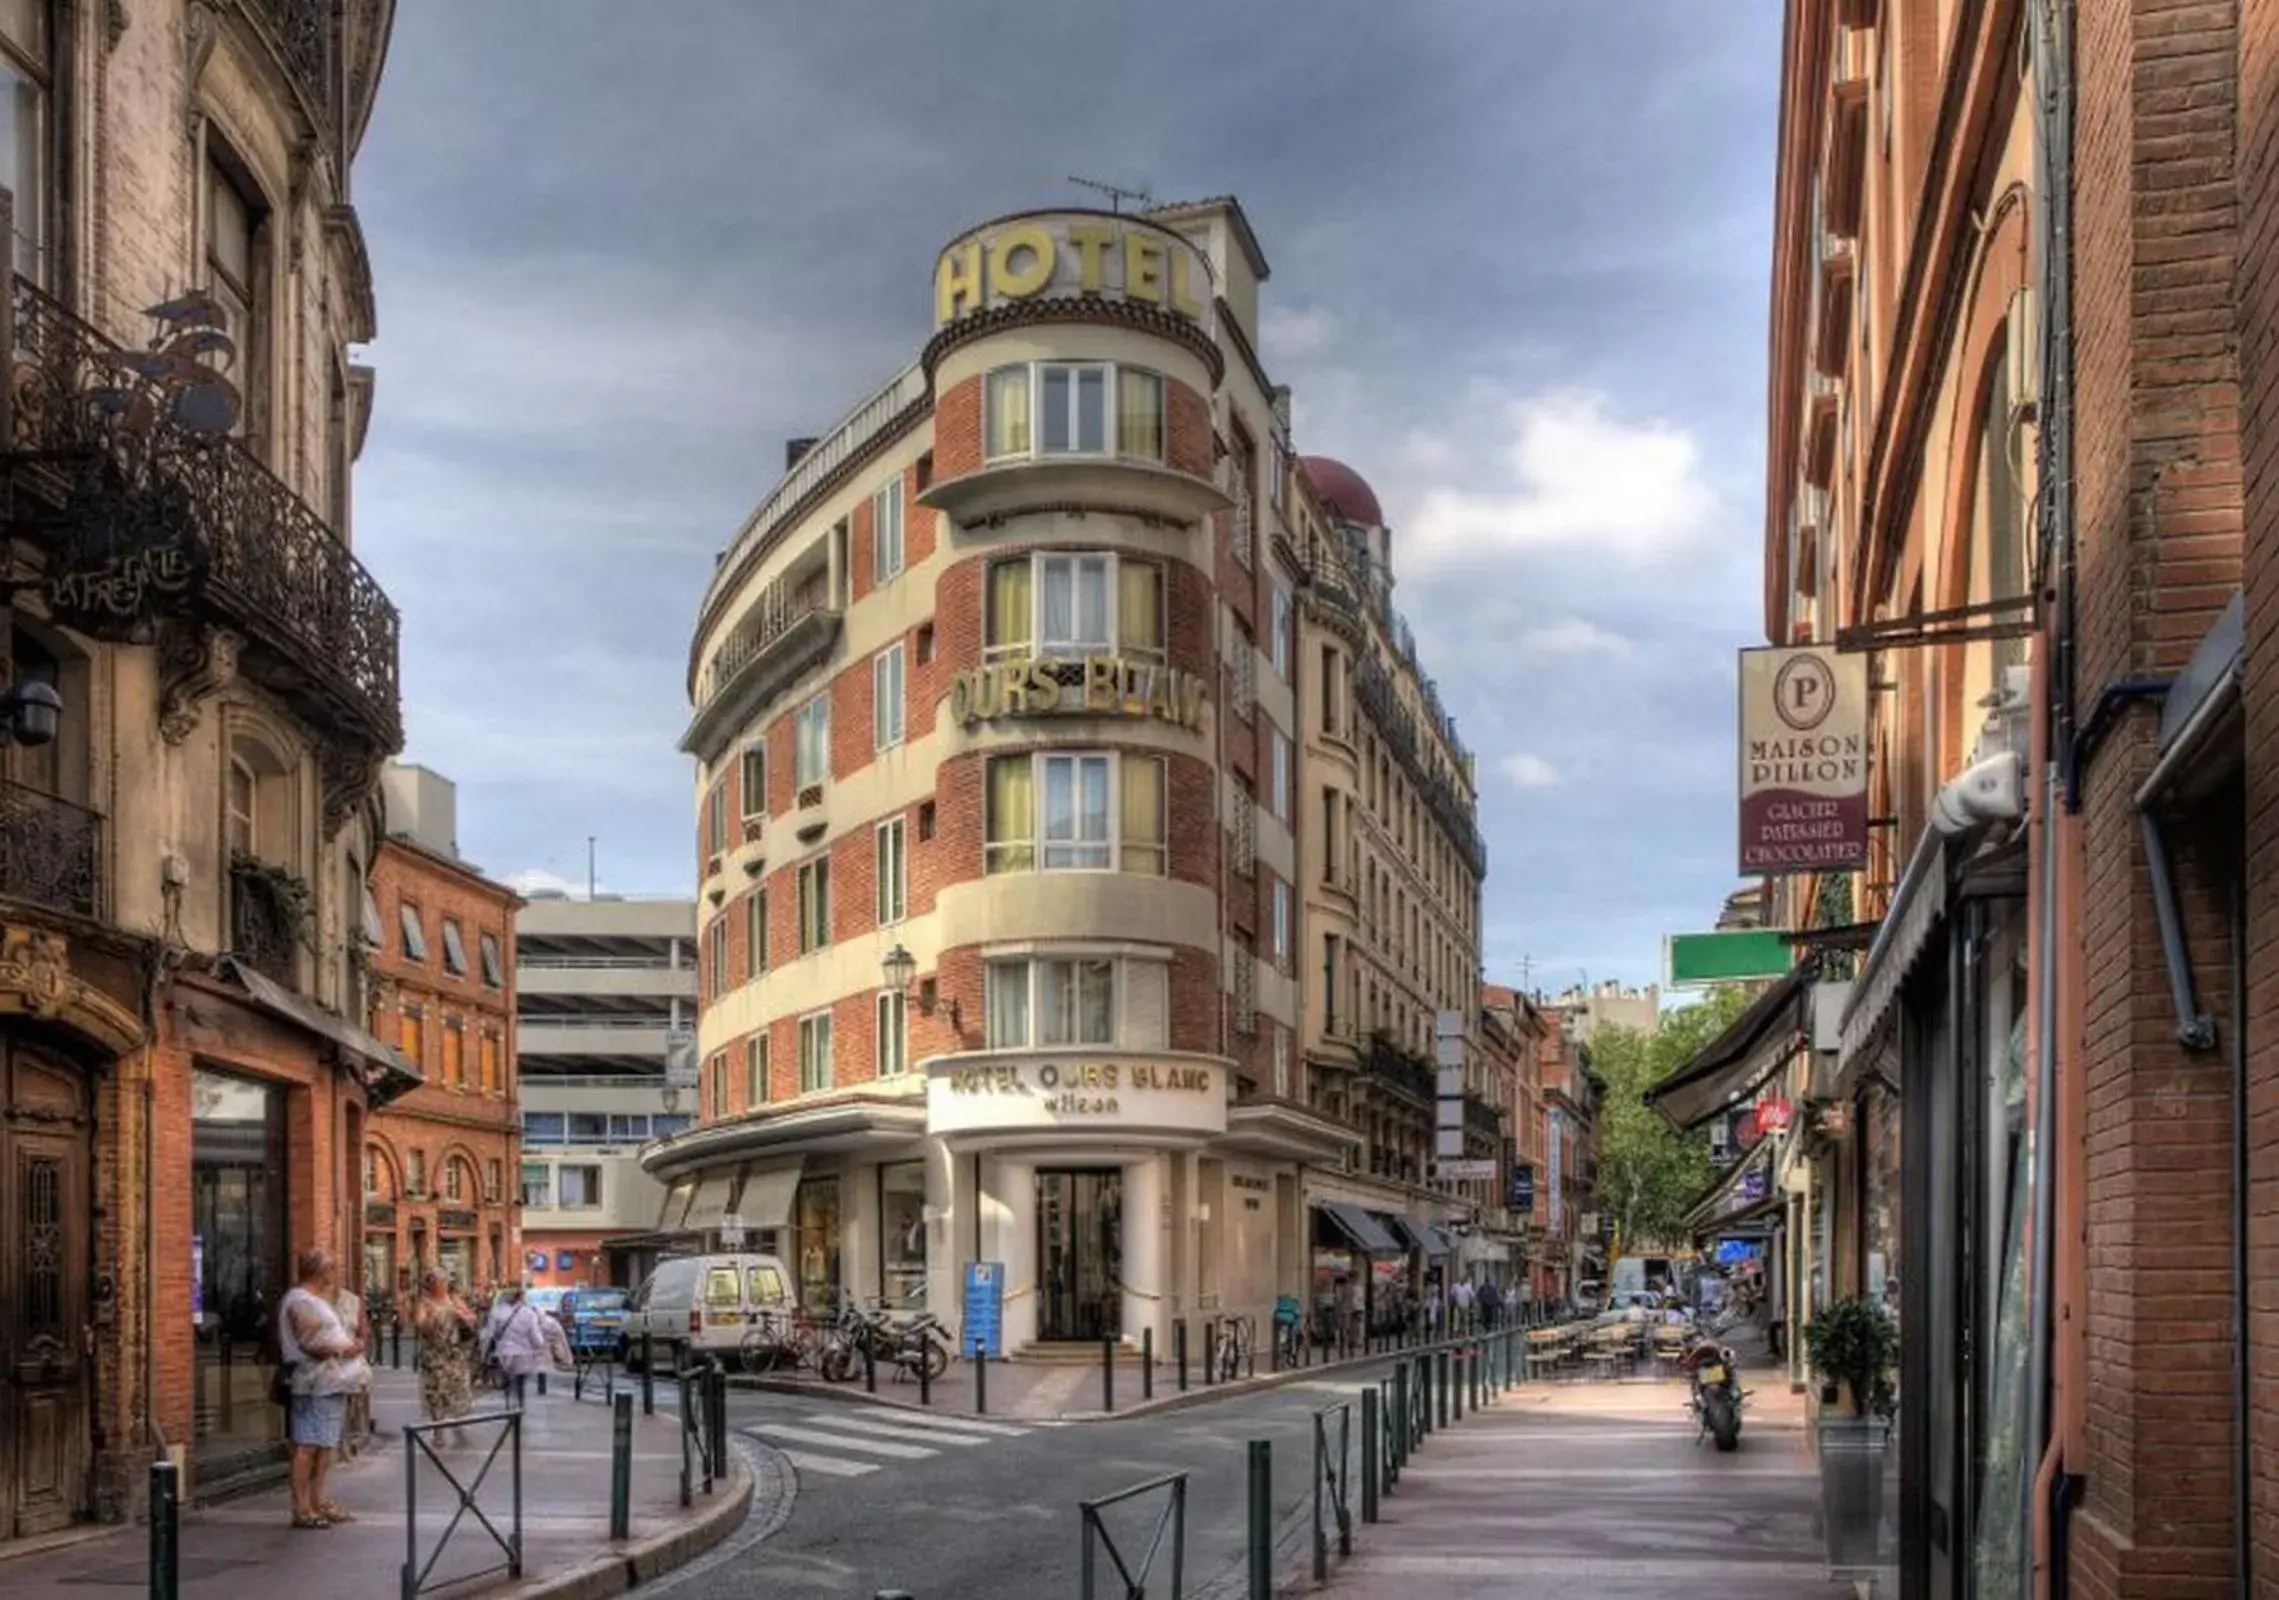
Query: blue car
[[593, 1319]]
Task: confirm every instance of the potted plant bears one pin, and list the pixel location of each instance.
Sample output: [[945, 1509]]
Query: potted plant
[[1853, 1347]]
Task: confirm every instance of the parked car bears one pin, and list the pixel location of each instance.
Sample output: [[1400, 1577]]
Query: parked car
[[593, 1318], [704, 1305]]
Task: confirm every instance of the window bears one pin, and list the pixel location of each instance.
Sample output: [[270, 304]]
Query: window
[[490, 1051], [892, 872], [716, 1069], [1074, 603], [893, 1033], [544, 1127], [753, 786], [494, 1179], [494, 970], [1278, 648], [234, 225], [242, 790], [454, 950], [415, 936], [1283, 916], [1064, 408], [815, 1053], [454, 1053], [886, 532], [537, 1185], [411, 1038], [580, 1186], [756, 1070], [454, 1179], [1100, 813], [716, 819], [1051, 1002], [416, 1173], [814, 905], [1284, 758], [756, 935], [886, 679], [813, 749], [24, 128]]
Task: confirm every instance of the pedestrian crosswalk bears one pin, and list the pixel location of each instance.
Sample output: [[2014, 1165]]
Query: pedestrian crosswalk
[[838, 1443]]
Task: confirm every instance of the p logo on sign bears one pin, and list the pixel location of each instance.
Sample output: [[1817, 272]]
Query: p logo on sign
[[1804, 692]]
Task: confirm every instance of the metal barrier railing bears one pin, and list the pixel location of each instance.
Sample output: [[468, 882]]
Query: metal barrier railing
[[416, 1444], [1170, 1522], [704, 1426], [1330, 1477]]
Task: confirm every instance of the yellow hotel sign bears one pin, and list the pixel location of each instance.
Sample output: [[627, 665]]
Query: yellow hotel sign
[[1066, 256], [1111, 686]]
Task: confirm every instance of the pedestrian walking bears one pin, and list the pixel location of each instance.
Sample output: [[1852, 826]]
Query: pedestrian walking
[[322, 1363], [444, 1327], [519, 1346], [1491, 1303], [1462, 1295], [1432, 1312], [358, 1428]]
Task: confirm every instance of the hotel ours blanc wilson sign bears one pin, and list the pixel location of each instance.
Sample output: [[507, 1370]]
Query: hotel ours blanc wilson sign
[[1804, 767]]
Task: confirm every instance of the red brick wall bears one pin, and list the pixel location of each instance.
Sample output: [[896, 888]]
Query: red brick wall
[[957, 429], [2159, 529]]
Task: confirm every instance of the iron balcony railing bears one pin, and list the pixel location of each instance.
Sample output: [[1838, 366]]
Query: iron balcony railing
[[51, 852], [780, 608], [1482, 1118], [1389, 1063]]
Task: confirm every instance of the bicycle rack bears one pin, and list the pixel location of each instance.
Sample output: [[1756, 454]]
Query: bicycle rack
[[704, 1426], [1331, 1481], [413, 1579], [1172, 1520]]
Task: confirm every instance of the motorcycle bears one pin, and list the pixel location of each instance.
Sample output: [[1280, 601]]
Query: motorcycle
[[1715, 1394], [906, 1346]]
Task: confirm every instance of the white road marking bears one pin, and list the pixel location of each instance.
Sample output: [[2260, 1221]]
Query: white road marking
[[840, 1441], [829, 1466], [925, 1419], [887, 1430]]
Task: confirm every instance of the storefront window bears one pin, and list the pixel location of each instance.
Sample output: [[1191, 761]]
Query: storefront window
[[238, 1268], [815, 1229], [902, 1234]]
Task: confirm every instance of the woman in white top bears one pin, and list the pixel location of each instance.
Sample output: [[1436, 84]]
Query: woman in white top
[[326, 1363], [519, 1346]]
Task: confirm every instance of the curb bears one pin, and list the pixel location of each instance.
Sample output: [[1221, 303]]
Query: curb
[[640, 1561]]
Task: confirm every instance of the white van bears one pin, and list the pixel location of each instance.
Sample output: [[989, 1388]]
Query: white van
[[704, 1305]]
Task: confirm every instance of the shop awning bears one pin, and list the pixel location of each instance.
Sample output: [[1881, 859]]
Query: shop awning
[[1437, 1242], [1408, 1235], [714, 1190], [385, 1075], [1917, 909], [768, 1195], [1735, 1064], [1359, 1228], [2202, 724], [1741, 1193]]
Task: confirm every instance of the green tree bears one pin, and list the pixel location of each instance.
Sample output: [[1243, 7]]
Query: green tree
[[1648, 1172]]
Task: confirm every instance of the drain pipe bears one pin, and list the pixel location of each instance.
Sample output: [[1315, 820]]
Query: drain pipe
[[2243, 1360]]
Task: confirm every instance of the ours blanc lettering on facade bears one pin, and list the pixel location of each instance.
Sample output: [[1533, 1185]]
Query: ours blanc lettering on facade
[[1041, 257], [976, 1097], [1033, 686], [1803, 760]]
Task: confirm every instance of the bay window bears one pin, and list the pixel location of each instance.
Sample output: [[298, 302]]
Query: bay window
[[1098, 813], [1045, 1002], [812, 730], [1060, 602], [1073, 408]]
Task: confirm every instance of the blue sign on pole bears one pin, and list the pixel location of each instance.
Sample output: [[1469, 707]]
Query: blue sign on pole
[[984, 1309], [1521, 1195]]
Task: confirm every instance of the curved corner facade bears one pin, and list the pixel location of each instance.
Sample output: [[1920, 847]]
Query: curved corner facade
[[995, 707]]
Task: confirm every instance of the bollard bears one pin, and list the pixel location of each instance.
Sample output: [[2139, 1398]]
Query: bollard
[[1371, 1460], [1458, 1364], [1179, 1350], [1107, 1373], [1260, 1550], [1404, 1419], [719, 1418], [396, 1343], [621, 1467], [980, 1379], [648, 1376], [870, 1366], [1147, 1363], [165, 1531], [1210, 1354], [925, 1375]]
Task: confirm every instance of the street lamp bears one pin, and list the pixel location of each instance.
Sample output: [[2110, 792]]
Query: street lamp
[[30, 713], [898, 968]]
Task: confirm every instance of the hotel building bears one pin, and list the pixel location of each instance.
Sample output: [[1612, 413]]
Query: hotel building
[[1000, 797]]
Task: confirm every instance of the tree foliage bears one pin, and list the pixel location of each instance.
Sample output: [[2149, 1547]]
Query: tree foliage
[[1649, 1174]]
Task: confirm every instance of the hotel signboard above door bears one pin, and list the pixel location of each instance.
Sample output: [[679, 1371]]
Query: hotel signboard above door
[[1021, 1091]]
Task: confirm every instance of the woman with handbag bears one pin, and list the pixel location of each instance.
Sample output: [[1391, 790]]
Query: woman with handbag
[[445, 1329], [324, 1363]]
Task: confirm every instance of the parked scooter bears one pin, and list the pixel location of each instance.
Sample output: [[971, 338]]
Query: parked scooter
[[1715, 1393]]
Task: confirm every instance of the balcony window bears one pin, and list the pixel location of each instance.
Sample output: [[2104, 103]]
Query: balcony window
[[893, 1034], [454, 950], [886, 679], [243, 832], [893, 874], [1100, 813], [580, 1186], [886, 532], [494, 969], [24, 78], [414, 935], [756, 1070], [236, 234], [756, 935], [1006, 399], [537, 1185], [812, 733], [753, 787], [1065, 408], [814, 905], [1047, 1002], [1066, 603], [544, 1127], [815, 1071]]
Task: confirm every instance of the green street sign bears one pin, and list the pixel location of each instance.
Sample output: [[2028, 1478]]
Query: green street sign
[[1692, 960]]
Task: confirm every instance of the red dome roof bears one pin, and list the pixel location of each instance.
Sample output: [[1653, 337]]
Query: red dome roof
[[1344, 491]]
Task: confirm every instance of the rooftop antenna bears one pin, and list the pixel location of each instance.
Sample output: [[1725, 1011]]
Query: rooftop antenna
[[1116, 196], [591, 880], [1526, 971]]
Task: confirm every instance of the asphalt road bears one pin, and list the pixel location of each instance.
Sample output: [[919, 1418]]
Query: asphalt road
[[986, 1509]]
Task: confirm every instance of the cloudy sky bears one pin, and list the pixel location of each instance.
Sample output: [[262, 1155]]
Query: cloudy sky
[[1519, 279]]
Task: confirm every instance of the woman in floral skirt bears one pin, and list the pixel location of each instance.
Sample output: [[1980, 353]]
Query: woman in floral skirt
[[446, 1330]]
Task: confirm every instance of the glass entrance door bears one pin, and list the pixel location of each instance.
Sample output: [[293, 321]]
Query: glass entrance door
[[1080, 1253]]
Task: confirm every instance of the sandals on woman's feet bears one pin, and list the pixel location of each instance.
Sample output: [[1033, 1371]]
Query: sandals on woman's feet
[[333, 1513], [300, 1521]]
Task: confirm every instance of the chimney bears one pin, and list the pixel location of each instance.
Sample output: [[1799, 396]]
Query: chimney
[[793, 449]]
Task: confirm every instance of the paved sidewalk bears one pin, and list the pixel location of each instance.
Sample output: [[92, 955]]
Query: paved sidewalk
[[245, 1549], [1600, 1489]]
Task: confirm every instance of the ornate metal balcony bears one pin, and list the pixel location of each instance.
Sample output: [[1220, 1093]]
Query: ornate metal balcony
[[1388, 1063], [788, 630], [158, 527], [1482, 1120], [51, 852], [268, 915], [305, 35]]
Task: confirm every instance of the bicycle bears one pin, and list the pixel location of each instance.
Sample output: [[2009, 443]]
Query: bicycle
[[781, 1342], [1237, 1345]]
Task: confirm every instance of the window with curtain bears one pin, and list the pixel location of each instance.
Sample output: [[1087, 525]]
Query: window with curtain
[[756, 934], [1010, 626], [754, 787], [1099, 813], [1075, 833], [1073, 609], [813, 742], [756, 1070], [1140, 830], [716, 942], [815, 1072], [1072, 408], [886, 532], [814, 905], [1139, 609], [887, 697], [24, 78], [893, 1034], [1010, 822], [1007, 404], [1074, 603], [1049, 1001], [1139, 413], [716, 819], [892, 874]]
